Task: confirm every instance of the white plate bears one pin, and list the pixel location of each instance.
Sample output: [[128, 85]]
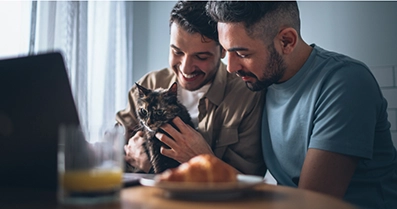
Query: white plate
[[132, 179], [205, 191]]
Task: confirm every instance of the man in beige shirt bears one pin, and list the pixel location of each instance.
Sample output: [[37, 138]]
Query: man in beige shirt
[[224, 111]]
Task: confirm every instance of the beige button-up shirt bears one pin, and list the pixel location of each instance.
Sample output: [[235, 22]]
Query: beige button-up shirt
[[229, 118]]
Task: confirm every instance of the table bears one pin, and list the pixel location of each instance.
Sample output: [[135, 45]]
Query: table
[[263, 196]]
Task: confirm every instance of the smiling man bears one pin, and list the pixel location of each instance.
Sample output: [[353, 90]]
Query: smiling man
[[214, 98], [325, 125]]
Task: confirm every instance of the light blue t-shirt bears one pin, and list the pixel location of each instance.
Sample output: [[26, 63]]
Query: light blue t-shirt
[[333, 103]]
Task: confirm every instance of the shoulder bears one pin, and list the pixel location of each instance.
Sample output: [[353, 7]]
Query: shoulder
[[158, 78], [339, 62], [339, 68]]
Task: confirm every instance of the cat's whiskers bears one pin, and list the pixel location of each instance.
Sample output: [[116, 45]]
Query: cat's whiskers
[[147, 127]]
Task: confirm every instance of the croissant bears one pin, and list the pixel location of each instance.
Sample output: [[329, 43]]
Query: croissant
[[202, 168]]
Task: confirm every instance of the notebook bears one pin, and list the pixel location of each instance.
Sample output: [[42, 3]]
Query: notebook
[[35, 99]]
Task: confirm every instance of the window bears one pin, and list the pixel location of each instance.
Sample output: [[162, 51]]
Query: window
[[15, 28]]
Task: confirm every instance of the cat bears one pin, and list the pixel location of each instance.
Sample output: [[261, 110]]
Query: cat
[[155, 108]]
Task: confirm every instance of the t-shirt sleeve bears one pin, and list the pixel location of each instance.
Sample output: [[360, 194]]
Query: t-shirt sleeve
[[346, 111]]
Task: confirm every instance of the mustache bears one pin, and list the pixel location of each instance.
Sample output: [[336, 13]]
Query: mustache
[[241, 73], [195, 71]]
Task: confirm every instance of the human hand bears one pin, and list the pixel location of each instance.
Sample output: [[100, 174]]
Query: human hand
[[185, 144], [135, 153]]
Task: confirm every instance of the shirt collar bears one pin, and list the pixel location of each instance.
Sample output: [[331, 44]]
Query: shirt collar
[[217, 89]]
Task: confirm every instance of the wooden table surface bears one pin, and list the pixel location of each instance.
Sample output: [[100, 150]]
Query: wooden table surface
[[262, 196]]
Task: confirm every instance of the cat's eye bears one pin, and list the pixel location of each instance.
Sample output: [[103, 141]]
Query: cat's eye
[[142, 112]]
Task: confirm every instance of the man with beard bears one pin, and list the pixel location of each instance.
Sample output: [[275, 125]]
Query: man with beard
[[325, 125], [214, 98]]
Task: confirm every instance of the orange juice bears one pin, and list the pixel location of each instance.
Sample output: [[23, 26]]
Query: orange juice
[[91, 180]]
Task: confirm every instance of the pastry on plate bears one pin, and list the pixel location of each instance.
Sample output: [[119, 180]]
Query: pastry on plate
[[202, 168]]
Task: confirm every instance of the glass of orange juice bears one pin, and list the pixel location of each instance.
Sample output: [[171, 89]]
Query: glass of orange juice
[[90, 167]]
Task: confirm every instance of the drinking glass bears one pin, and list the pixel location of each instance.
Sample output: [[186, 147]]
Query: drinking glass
[[90, 167]]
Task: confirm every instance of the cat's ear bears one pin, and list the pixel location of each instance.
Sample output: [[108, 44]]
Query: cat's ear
[[173, 90], [142, 90]]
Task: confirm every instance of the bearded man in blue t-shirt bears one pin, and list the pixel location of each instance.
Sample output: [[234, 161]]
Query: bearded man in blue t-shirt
[[325, 125]]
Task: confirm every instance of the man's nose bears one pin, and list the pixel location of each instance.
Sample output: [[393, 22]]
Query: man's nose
[[232, 63], [186, 65]]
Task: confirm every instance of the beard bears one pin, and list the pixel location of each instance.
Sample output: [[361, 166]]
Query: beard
[[272, 73]]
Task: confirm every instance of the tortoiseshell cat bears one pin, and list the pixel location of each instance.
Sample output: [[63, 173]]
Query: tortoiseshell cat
[[155, 108]]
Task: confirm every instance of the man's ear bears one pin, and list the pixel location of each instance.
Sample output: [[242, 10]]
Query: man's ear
[[288, 38]]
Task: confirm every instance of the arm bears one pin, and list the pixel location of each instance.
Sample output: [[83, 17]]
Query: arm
[[127, 117], [327, 172], [344, 124]]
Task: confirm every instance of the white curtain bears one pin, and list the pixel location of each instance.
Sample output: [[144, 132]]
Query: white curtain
[[95, 38], [15, 28]]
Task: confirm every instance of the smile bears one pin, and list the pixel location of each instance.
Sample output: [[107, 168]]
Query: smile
[[189, 75]]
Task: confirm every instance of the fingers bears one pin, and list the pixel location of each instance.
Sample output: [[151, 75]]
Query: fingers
[[166, 140], [179, 123], [174, 133], [127, 156], [183, 144], [136, 140], [135, 153], [171, 143], [167, 152], [170, 130], [138, 135]]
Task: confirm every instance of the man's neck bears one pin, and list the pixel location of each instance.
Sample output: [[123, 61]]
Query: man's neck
[[297, 59]]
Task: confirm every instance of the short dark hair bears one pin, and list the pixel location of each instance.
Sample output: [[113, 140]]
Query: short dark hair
[[260, 18], [191, 16]]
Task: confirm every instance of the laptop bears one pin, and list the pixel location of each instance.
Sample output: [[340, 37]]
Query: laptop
[[35, 99]]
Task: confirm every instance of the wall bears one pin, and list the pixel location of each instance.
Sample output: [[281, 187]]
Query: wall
[[151, 36], [140, 43], [363, 30]]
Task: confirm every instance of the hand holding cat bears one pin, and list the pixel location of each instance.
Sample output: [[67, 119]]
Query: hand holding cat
[[187, 142], [135, 153]]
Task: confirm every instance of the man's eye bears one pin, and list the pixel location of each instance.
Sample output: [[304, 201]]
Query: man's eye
[[178, 52], [142, 112], [202, 58], [242, 55]]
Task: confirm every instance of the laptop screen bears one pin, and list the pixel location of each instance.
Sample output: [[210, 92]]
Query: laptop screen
[[35, 99]]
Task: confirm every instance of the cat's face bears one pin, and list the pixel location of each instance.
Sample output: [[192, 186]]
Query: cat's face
[[157, 107]]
